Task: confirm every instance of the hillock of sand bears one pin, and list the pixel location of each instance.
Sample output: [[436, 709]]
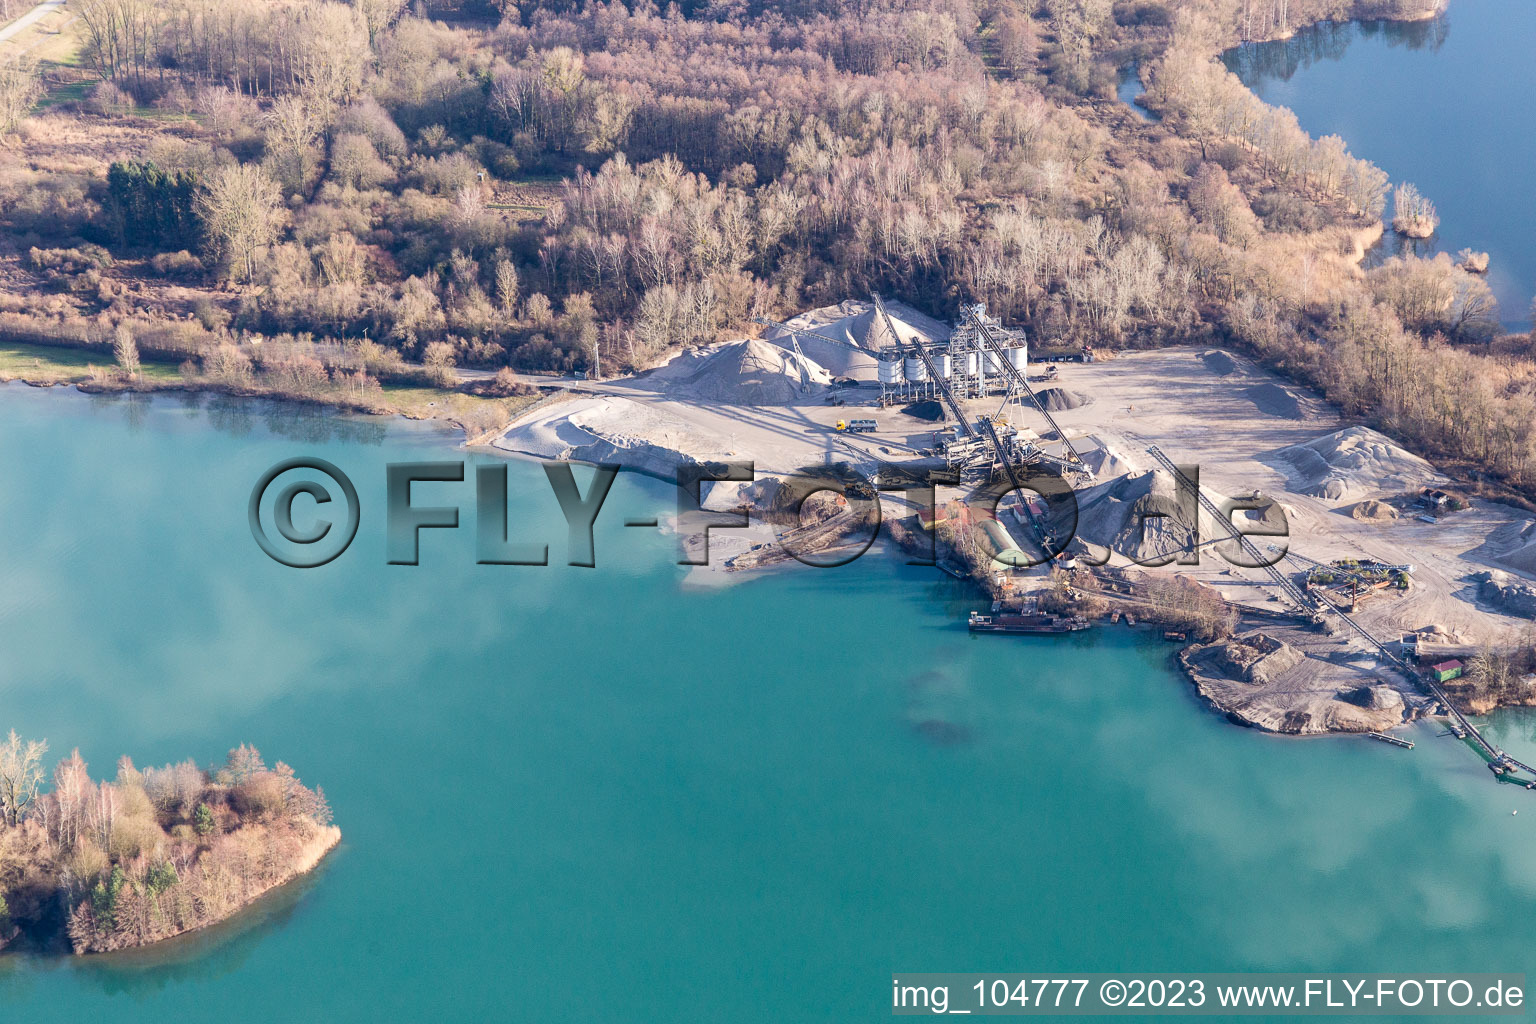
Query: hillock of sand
[[1257, 658], [756, 373], [1218, 362], [1357, 463], [1507, 593], [1060, 399], [1105, 462], [1145, 517], [860, 325], [1372, 511], [1275, 400], [1515, 546]]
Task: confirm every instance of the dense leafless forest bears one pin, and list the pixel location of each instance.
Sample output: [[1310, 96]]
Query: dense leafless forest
[[382, 193]]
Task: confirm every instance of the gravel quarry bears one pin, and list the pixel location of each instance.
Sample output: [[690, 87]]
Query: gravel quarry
[[1338, 490]]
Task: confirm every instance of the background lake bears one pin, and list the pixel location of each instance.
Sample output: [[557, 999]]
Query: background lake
[[606, 794], [1444, 104]]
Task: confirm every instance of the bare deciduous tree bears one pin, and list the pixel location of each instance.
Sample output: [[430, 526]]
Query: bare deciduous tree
[[332, 53], [125, 350], [21, 772], [121, 36], [1413, 214], [239, 207], [19, 89], [378, 15], [506, 286]]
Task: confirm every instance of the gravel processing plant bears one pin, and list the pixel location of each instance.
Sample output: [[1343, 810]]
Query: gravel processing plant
[[1300, 651]]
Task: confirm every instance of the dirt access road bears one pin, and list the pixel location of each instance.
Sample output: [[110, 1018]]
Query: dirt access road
[[29, 19]]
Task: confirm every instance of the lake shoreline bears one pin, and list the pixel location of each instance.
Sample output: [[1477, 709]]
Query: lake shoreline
[[639, 795], [1363, 79], [331, 404], [1362, 239], [1363, 10], [310, 857]]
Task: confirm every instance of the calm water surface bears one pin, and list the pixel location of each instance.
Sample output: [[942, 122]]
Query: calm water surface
[[1445, 104], [609, 795]]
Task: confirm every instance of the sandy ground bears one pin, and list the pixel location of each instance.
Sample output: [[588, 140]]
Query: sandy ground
[[661, 407], [1173, 399]]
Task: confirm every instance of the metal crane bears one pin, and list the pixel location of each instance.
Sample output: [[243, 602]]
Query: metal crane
[[890, 326], [984, 331]]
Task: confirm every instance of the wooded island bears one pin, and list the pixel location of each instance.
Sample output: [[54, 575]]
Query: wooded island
[[150, 854]]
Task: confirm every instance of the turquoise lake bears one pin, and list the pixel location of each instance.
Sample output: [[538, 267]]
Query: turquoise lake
[[609, 794], [1444, 104]]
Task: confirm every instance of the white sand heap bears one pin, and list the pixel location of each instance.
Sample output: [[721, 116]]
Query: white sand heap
[[1515, 546], [1105, 461], [1357, 463], [613, 429], [756, 373], [858, 324], [1144, 516]]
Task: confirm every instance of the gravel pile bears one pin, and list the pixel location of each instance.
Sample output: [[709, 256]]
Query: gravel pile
[[1275, 400], [755, 373], [1218, 362], [1357, 463], [1060, 399]]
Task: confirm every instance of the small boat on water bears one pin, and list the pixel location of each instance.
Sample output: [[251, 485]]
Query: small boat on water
[[1026, 624]]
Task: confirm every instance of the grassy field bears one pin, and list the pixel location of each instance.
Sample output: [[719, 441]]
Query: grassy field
[[52, 40], [41, 363], [427, 403], [54, 43]]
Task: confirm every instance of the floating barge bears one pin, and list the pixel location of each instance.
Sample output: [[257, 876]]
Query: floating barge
[[950, 568], [1027, 625]]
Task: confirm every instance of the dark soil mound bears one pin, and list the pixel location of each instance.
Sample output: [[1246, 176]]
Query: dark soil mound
[[930, 410], [1057, 399], [1219, 362], [1275, 400]]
